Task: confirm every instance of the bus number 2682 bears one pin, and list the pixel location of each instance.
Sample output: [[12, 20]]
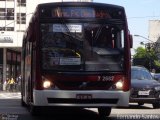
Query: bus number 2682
[[105, 78]]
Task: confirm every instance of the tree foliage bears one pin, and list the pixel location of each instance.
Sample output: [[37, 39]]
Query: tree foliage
[[140, 52], [146, 58]]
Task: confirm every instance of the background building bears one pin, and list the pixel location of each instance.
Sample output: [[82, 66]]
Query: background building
[[12, 26], [154, 35], [154, 30], [14, 19]]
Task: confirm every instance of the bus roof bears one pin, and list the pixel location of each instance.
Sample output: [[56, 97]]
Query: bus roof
[[81, 4]]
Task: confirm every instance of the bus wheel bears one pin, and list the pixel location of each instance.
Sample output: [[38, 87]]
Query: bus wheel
[[33, 110], [104, 112], [22, 102]]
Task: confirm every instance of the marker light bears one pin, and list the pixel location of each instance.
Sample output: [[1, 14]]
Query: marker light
[[47, 84]]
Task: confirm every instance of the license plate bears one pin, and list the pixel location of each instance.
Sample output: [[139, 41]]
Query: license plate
[[143, 92], [83, 96]]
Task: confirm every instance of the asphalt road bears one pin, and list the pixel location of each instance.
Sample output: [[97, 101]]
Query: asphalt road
[[10, 109]]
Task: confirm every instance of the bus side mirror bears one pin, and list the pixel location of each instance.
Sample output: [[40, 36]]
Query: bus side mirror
[[131, 40]]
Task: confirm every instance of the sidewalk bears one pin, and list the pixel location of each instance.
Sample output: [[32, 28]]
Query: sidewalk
[[10, 95]]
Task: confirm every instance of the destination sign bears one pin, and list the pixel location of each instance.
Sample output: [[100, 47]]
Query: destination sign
[[68, 27], [81, 12]]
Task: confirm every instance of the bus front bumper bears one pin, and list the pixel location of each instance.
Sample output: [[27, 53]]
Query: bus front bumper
[[94, 98]]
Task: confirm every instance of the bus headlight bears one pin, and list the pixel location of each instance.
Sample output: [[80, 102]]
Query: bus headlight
[[119, 85], [46, 84]]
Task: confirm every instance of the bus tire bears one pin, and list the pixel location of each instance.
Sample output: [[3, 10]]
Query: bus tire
[[104, 111], [22, 102], [33, 110]]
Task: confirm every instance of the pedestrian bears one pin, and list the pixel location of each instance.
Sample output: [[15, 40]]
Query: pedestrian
[[11, 83], [18, 83]]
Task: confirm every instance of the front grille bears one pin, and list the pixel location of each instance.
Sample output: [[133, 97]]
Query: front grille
[[82, 101], [83, 85]]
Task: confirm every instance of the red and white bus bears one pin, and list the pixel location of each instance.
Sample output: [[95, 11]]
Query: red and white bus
[[76, 54]]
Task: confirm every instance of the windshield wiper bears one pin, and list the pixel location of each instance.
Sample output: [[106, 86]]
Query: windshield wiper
[[79, 42], [98, 32], [69, 33]]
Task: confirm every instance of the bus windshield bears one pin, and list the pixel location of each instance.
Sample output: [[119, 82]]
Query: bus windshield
[[82, 46]]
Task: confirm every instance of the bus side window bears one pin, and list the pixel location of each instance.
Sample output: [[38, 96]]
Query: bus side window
[[119, 38]]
